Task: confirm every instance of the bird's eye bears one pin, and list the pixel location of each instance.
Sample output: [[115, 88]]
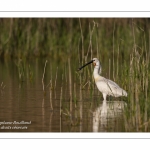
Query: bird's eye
[[94, 60]]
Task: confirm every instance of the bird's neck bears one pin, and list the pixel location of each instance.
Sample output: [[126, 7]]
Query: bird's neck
[[96, 71]]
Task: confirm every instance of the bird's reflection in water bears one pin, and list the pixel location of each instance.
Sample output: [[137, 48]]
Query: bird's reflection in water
[[107, 111]]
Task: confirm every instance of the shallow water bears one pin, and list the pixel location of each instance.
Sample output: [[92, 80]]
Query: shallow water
[[24, 107]]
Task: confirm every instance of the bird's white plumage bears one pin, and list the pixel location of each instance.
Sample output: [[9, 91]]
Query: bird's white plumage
[[106, 86]]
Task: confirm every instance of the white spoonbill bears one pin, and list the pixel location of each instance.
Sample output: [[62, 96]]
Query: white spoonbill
[[105, 86]]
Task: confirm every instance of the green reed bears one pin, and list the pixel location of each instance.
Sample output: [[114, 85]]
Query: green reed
[[42, 37], [136, 76]]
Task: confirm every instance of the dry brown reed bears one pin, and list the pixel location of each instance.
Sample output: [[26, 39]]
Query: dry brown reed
[[43, 76]]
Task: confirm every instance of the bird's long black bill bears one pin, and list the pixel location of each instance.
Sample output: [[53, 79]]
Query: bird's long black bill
[[85, 65]]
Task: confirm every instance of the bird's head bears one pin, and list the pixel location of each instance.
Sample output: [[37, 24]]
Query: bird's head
[[95, 62]]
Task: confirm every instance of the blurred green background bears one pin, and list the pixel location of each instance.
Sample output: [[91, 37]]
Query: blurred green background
[[60, 37]]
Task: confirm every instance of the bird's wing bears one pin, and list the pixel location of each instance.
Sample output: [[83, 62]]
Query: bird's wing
[[116, 89], [109, 87], [102, 79], [112, 83]]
